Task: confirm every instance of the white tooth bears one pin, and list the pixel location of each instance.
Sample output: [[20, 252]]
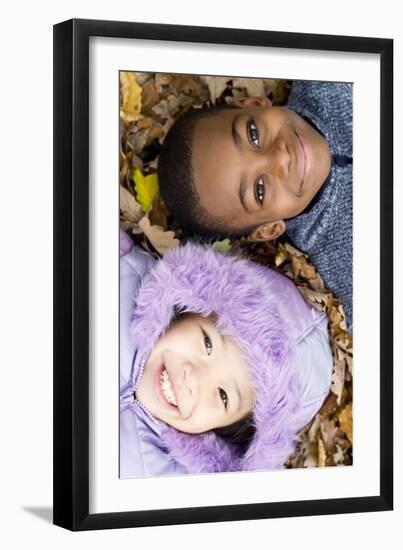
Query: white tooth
[[167, 388]]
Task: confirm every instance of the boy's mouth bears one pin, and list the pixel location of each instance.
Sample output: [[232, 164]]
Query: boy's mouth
[[305, 165], [166, 388]]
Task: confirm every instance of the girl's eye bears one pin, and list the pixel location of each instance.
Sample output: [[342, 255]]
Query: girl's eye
[[253, 133], [207, 343], [224, 397], [259, 191]]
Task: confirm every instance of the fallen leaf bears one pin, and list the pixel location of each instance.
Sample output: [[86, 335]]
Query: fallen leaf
[[146, 188], [338, 456], [142, 77], [310, 455], [216, 85], [158, 213], [162, 81], [222, 246], [316, 283], [329, 432], [254, 87], [160, 239], [149, 96], [294, 251], [130, 97], [302, 268], [123, 165], [136, 138], [167, 108], [322, 456], [346, 421], [313, 430], [329, 405], [338, 378], [130, 208], [281, 255], [317, 299]]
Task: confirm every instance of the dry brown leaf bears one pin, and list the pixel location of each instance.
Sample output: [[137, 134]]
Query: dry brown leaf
[[130, 208], [338, 456], [160, 239], [302, 268], [313, 430], [338, 377], [216, 85], [123, 165], [167, 108], [162, 81], [190, 87], [254, 87], [310, 455], [136, 138], [316, 283], [270, 86], [150, 96], [142, 78], [329, 405], [346, 421], [317, 299], [293, 251], [158, 213], [281, 92], [329, 432], [322, 457]]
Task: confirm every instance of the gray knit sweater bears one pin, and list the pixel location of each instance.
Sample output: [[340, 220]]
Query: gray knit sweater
[[324, 229]]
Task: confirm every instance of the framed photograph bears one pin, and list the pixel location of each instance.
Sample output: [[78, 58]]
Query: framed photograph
[[223, 232]]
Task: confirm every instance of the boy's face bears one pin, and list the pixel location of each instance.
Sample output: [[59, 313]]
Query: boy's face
[[195, 379], [257, 165]]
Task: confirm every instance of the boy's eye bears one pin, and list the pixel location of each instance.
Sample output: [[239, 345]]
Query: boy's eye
[[259, 191], [224, 397], [207, 343], [253, 133]]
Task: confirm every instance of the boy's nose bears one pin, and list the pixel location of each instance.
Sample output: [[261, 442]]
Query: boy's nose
[[278, 160]]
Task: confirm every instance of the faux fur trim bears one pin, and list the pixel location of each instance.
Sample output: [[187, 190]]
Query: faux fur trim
[[265, 313]]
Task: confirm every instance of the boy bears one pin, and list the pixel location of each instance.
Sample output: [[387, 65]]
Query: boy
[[248, 168]]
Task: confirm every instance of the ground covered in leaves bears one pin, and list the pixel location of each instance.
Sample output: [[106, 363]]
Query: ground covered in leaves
[[149, 104]]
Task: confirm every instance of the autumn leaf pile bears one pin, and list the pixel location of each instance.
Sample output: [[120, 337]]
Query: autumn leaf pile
[[149, 104]]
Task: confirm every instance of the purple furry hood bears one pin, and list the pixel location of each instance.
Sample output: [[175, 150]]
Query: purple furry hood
[[267, 316]]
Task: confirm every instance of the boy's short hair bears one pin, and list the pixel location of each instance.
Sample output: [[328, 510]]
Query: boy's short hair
[[175, 175]]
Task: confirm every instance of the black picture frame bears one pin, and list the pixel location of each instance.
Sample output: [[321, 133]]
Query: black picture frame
[[71, 273]]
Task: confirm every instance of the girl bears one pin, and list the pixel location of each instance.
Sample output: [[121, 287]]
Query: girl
[[222, 362]]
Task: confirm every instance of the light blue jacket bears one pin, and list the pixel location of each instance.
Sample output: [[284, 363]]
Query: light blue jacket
[[141, 452]]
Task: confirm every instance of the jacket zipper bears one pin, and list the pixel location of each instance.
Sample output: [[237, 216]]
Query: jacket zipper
[[134, 388]]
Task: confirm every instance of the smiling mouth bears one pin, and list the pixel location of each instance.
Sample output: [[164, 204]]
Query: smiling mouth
[[304, 161], [166, 388]]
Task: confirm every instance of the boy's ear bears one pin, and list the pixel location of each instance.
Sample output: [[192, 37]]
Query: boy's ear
[[268, 231], [247, 101]]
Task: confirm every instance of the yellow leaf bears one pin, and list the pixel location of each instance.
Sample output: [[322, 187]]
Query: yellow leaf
[[281, 255], [146, 188], [222, 246], [130, 96]]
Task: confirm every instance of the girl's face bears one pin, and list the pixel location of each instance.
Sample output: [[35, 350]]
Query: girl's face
[[196, 379]]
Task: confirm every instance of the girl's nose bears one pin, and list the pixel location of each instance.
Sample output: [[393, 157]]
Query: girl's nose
[[191, 379]]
